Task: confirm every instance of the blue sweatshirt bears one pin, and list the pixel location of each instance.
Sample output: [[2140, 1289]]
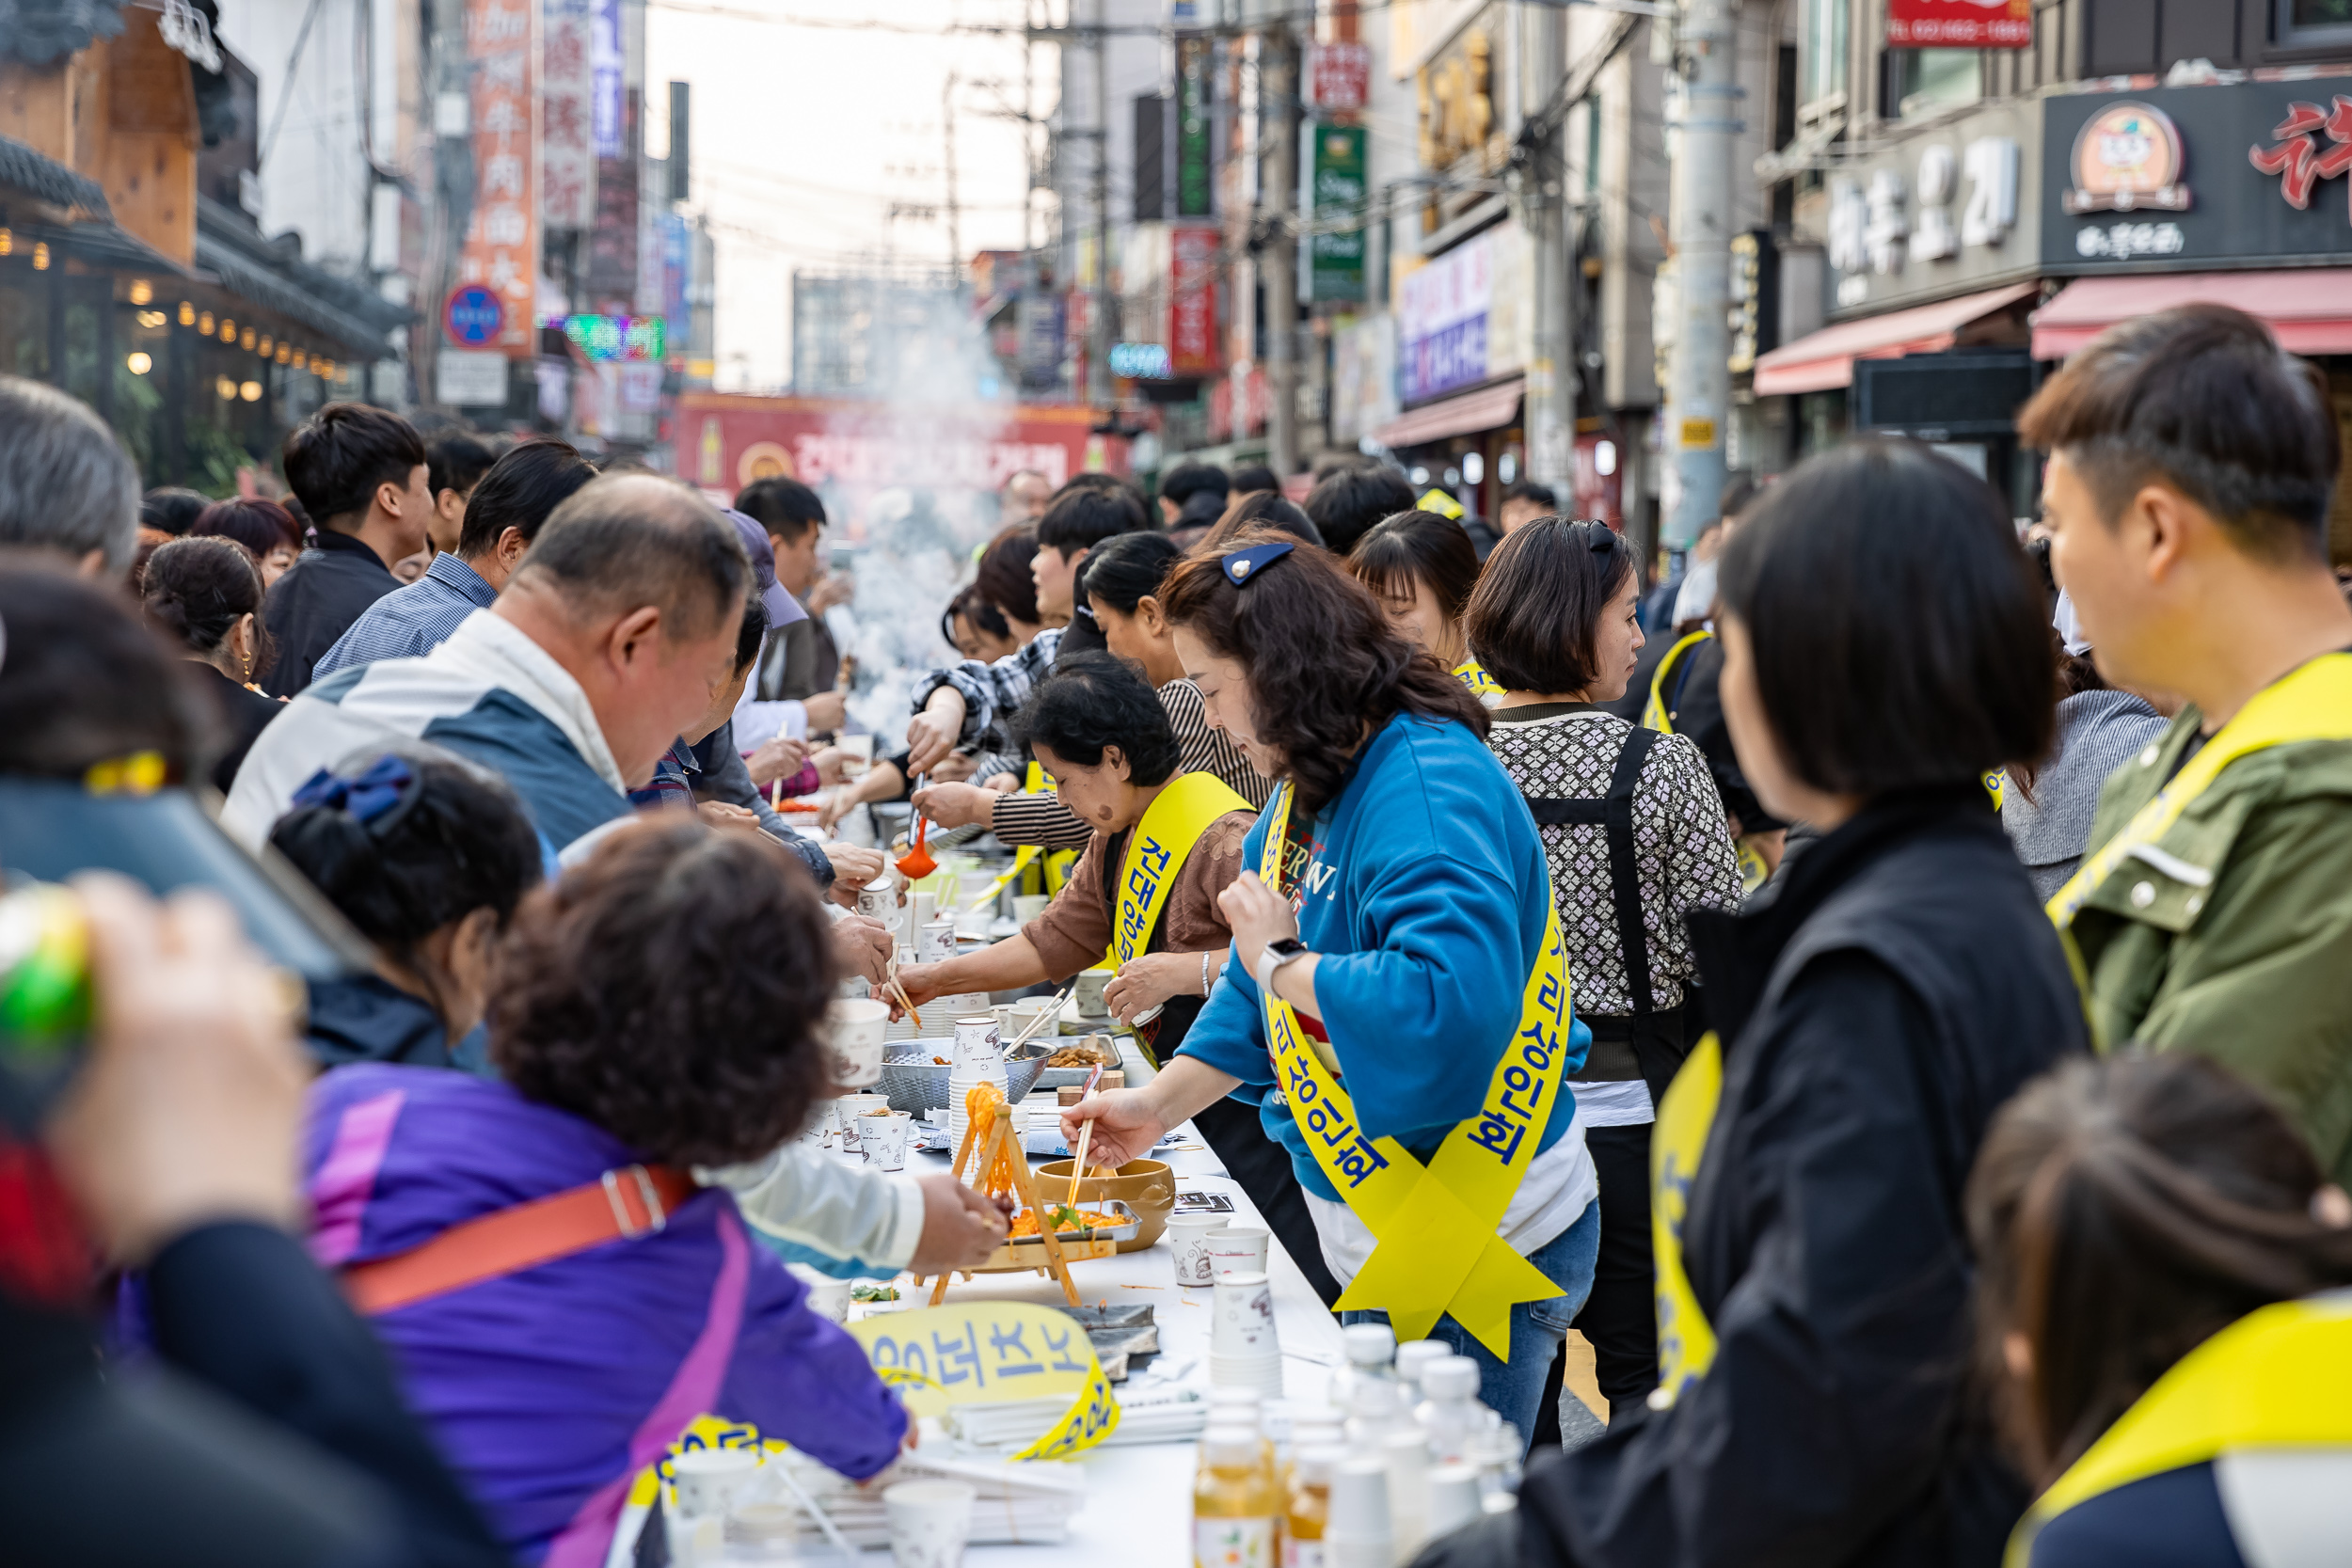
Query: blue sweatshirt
[[1425, 899]]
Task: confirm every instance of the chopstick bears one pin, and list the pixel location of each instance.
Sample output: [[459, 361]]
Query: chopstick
[[890, 981], [1038, 1021], [1078, 1166]]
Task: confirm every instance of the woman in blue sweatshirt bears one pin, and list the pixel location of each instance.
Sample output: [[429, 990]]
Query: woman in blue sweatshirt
[[1395, 1003]]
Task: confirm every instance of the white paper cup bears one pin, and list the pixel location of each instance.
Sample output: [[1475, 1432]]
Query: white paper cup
[[1089, 993], [935, 941], [1189, 1238], [830, 1298], [1241, 1322], [708, 1480], [884, 1141], [1028, 905], [1454, 1499], [929, 1522], [977, 1038], [1236, 1249], [922, 909], [878, 898], [857, 754], [853, 1107], [859, 1026], [1358, 1530]]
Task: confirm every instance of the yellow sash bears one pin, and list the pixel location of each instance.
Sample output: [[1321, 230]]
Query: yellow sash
[[1436, 1249], [1686, 1341], [1654, 714], [1482, 686], [2314, 703], [1156, 852], [2280, 1377]]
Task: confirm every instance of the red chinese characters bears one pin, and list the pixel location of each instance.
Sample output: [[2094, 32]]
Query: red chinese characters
[[2296, 157]]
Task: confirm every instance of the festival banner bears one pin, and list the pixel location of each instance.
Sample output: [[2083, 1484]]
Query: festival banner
[[500, 255]]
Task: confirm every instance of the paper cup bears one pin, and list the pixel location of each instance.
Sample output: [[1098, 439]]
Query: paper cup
[[859, 1027], [854, 1107], [1236, 1249], [1454, 1499], [929, 1522], [1089, 993], [857, 754], [977, 1039], [935, 941], [884, 1141], [708, 1480], [878, 898], [1189, 1238], [1028, 905], [922, 909], [1357, 1528], [1241, 1322]]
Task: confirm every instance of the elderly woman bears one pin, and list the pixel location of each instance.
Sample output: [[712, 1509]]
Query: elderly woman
[[559, 1294]]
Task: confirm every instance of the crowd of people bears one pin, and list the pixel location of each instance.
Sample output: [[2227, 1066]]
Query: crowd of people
[[1884, 990]]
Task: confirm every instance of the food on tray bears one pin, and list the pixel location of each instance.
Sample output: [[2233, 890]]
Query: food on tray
[[941, 1061], [873, 1292], [1065, 1218], [1086, 1052]]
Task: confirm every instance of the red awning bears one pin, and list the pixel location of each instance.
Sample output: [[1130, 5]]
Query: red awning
[[1489, 408], [2309, 307], [1825, 358]]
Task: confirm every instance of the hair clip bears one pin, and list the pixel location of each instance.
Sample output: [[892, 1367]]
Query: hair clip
[[135, 773], [1242, 565], [383, 787]]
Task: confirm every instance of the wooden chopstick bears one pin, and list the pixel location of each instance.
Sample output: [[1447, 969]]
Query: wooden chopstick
[[1078, 1166], [1038, 1021]]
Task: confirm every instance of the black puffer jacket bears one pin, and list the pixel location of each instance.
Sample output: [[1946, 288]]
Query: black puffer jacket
[[1899, 986]]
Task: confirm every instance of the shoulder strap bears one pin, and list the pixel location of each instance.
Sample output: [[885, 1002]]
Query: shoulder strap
[[621, 1204], [1615, 812]]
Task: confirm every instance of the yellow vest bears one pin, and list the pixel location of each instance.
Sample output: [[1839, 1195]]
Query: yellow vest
[[2280, 1377], [1435, 1248], [1686, 1340], [1481, 685], [1156, 852]]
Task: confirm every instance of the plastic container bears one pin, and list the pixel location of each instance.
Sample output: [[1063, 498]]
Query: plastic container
[[1236, 1512], [1358, 1533], [1371, 1351], [1415, 1357], [1310, 1506], [1451, 1414]]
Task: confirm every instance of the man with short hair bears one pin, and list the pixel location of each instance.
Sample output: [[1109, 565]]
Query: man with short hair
[[360, 475], [800, 663], [1192, 495], [605, 645], [1081, 518], [2192, 466], [1024, 497], [455, 463], [502, 514], [66, 484], [1525, 501], [1346, 502]]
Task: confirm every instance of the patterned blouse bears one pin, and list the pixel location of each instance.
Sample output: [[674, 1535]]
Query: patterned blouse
[[1682, 847]]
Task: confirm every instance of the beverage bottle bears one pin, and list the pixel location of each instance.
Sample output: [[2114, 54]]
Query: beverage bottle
[[1310, 1506], [1451, 1414], [1236, 1512], [1242, 1407], [1415, 1357], [1371, 1348]]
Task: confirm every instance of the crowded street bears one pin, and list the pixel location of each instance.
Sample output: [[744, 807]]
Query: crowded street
[[1175, 784]]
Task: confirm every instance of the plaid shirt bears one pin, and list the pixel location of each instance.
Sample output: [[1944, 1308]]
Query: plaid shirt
[[411, 622], [992, 693]]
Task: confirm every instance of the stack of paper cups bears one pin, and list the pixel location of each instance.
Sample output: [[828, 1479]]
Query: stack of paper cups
[[1244, 1352], [1455, 1498], [961, 1081], [1358, 1533]]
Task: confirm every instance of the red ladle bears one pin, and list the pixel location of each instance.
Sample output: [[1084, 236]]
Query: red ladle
[[916, 862]]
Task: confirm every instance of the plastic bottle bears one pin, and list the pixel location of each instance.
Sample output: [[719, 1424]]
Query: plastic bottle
[[1236, 1512], [1371, 1350], [1378, 1409], [1242, 1407], [1498, 1451], [1414, 1357], [1451, 1414], [1310, 1506]]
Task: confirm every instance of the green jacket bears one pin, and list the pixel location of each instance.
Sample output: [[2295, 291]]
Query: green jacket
[[2234, 937]]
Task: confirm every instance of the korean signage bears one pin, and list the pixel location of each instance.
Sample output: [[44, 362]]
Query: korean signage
[[1335, 261], [1195, 176], [567, 164], [500, 254], [608, 66], [1192, 301], [2245, 173], [1443, 321], [1960, 24], [614, 242], [1139, 361], [632, 338], [1952, 209], [1339, 76]]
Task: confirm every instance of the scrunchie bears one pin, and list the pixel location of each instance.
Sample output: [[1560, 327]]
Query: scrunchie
[[375, 800]]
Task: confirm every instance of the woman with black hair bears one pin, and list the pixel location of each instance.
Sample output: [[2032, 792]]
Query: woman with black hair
[[2161, 1303], [206, 594], [1394, 935], [1634, 833], [427, 857], [975, 627], [1421, 568], [1871, 1012], [266, 529]]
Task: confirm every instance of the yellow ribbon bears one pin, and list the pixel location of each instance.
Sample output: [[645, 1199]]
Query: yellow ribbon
[[990, 1351], [1156, 852], [2314, 703], [1436, 1250], [1686, 1340], [2280, 1377], [1474, 675], [1654, 714]]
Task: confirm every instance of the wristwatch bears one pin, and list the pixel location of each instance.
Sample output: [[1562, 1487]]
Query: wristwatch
[[1272, 957]]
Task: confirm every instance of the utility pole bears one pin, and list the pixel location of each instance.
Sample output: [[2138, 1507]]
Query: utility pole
[[1707, 54], [1278, 186], [452, 180], [1552, 374], [1099, 316]]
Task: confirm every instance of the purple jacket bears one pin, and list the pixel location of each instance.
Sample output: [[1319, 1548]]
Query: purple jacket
[[550, 1389]]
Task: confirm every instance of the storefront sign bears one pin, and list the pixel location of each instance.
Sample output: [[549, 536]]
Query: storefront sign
[[1195, 60], [1339, 76], [1192, 302], [1443, 321], [1960, 24], [500, 252], [1139, 361], [1754, 297], [568, 163], [608, 62], [2242, 173], [636, 338], [1938, 214], [1336, 261]]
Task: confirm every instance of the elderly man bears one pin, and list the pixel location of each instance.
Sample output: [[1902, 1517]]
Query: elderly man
[[66, 485], [1024, 497]]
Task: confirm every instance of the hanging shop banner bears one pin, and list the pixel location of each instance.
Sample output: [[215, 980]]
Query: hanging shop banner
[[1192, 284], [2243, 173], [1465, 317], [1960, 24], [1338, 77], [568, 163], [613, 242], [500, 252], [1195, 174], [608, 65], [1335, 262]]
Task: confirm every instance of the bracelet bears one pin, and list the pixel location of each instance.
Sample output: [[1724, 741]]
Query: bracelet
[[1204, 975]]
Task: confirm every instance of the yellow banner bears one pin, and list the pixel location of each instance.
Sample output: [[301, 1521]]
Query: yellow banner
[[974, 1352], [2280, 1377], [1156, 852], [1436, 1251], [1474, 675], [1686, 1341]]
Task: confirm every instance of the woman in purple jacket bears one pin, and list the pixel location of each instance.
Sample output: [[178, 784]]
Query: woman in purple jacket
[[659, 1004]]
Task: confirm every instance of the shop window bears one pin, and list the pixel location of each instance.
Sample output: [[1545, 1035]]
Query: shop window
[[1822, 40], [1925, 80], [2303, 23]]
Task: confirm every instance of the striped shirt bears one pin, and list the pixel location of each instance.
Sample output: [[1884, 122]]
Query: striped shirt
[[411, 622], [1043, 819]]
